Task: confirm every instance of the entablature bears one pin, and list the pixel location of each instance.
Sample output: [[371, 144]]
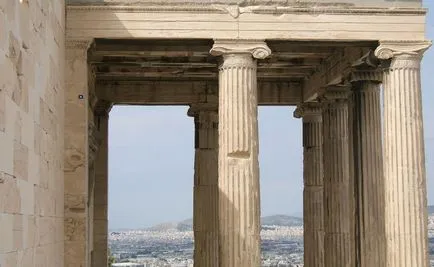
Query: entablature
[[295, 20]]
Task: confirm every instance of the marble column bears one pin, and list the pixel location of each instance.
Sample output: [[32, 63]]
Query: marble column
[[338, 191], [238, 175], [76, 160], [100, 195], [404, 154], [93, 142], [205, 192], [368, 169], [313, 201]]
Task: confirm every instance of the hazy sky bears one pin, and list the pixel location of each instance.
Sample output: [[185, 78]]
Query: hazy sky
[[151, 158]]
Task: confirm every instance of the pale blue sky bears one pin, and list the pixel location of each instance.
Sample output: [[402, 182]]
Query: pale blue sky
[[151, 158]]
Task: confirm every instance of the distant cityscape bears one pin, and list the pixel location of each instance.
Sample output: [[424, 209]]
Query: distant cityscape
[[171, 244]]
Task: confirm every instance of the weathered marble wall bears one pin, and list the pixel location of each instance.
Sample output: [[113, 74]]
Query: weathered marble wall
[[31, 133]]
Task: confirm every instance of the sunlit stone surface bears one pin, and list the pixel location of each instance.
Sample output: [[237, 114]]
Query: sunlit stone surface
[[63, 66]]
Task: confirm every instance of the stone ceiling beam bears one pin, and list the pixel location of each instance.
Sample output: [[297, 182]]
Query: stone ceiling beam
[[187, 92], [333, 70], [291, 49]]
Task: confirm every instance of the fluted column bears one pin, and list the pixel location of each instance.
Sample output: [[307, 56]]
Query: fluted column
[[205, 193], [404, 155], [368, 169], [238, 181], [338, 194], [313, 201]]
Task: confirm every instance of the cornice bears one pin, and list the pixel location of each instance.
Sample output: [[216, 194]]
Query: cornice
[[235, 10], [406, 48], [257, 48], [146, 8], [341, 10]]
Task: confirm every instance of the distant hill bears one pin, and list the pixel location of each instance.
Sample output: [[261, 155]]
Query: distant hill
[[162, 227], [187, 225], [282, 220], [431, 210], [274, 220]]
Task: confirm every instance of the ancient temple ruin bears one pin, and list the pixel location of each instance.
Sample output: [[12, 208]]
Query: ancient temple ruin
[[64, 65]]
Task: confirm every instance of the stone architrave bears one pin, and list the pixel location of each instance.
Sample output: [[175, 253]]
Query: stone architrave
[[238, 177], [368, 168], [205, 193], [404, 154], [76, 161], [313, 200], [338, 191]]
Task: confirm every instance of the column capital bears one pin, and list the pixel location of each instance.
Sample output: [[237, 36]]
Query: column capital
[[367, 62], [404, 48], [102, 108], [256, 48], [77, 48], [78, 44], [366, 68], [309, 111], [336, 93], [196, 108], [366, 75]]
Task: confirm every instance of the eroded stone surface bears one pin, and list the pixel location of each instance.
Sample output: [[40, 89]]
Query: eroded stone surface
[[28, 234], [76, 157]]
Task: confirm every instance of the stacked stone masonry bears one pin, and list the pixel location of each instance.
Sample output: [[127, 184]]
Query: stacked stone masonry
[[31, 133]]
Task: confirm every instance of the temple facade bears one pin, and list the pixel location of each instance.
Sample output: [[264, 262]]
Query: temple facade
[[64, 65]]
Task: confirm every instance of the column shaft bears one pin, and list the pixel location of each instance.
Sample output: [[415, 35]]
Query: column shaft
[[238, 166], [404, 161], [100, 202], [205, 193], [239, 220], [369, 178], [338, 214], [313, 200]]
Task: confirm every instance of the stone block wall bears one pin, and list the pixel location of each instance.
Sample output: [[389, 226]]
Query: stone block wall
[[31, 132]]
